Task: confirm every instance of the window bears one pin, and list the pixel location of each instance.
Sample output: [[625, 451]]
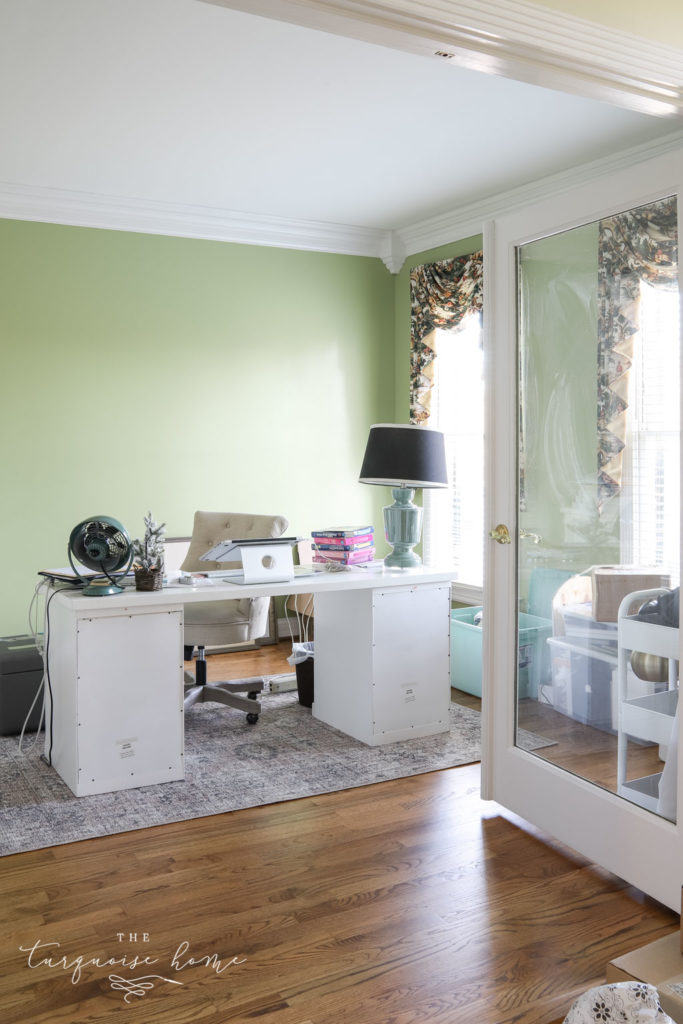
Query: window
[[650, 527], [454, 517]]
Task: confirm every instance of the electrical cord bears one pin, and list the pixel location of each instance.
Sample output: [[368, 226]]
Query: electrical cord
[[38, 640], [303, 619], [42, 642], [33, 609], [48, 758], [41, 721]]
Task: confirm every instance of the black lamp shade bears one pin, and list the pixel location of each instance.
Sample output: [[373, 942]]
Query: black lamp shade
[[403, 455]]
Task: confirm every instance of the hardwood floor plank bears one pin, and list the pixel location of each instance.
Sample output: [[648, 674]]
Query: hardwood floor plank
[[407, 902]]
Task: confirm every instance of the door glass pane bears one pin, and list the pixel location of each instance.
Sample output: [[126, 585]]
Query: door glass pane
[[599, 509]]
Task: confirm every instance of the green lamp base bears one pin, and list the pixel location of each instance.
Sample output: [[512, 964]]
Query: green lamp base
[[402, 529]]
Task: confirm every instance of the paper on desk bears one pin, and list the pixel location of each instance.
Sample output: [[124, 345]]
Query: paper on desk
[[68, 574]]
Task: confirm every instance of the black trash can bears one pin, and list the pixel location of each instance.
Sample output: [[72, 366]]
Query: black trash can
[[302, 659], [304, 682]]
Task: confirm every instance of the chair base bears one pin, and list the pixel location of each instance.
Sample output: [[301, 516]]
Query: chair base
[[198, 690], [227, 693]]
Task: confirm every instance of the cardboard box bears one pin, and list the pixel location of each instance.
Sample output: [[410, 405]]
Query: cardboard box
[[660, 964], [611, 584]]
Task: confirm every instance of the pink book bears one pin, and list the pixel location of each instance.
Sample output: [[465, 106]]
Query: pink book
[[346, 557], [345, 543]]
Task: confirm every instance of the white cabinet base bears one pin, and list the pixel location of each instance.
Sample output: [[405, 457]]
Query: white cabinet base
[[114, 714], [382, 662], [115, 699]]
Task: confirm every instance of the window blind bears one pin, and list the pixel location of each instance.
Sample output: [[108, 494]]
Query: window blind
[[453, 522], [650, 519]]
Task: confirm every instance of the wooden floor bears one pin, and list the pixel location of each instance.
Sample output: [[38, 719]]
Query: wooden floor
[[585, 750], [407, 902]]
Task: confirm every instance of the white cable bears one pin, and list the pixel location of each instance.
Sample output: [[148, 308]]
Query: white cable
[[39, 641], [289, 624], [38, 638], [305, 613], [40, 690]]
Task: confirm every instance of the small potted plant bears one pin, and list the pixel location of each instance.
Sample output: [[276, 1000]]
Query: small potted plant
[[148, 556]]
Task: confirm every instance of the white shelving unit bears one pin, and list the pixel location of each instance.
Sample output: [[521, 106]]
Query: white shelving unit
[[648, 717]]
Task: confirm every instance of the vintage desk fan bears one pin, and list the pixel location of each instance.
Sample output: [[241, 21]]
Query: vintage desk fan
[[102, 545]]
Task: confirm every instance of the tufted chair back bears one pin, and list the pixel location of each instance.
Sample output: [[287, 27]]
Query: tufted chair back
[[211, 527], [226, 622]]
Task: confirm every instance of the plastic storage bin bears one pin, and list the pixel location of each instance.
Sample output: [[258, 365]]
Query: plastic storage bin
[[466, 660], [583, 681]]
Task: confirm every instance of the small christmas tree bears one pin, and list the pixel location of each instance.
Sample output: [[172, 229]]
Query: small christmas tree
[[148, 554]]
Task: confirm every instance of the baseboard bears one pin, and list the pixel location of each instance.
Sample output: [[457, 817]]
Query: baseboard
[[287, 628]]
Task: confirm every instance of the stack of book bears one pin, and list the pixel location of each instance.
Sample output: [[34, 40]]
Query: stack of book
[[345, 547]]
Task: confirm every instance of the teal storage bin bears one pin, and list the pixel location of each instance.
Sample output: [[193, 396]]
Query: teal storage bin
[[534, 668]]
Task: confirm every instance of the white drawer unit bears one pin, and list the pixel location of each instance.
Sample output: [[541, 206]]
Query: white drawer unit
[[382, 662], [114, 712]]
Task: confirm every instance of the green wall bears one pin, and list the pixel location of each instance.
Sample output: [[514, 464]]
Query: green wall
[[149, 372]]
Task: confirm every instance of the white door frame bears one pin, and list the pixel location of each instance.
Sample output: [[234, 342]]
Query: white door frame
[[642, 848]]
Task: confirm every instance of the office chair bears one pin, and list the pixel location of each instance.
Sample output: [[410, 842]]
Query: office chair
[[224, 622]]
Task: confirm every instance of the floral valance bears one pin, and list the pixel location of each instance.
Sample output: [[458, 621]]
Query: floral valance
[[638, 245], [441, 295]]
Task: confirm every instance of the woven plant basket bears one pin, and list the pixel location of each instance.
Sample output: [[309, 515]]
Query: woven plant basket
[[148, 579]]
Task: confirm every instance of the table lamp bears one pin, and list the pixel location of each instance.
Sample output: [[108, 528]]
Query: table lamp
[[403, 457]]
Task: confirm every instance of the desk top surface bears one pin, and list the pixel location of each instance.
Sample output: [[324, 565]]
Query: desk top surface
[[220, 590]]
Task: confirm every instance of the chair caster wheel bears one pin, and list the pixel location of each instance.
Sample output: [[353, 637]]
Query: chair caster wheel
[[252, 719]]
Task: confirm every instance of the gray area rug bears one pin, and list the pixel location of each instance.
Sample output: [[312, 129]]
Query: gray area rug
[[228, 765]]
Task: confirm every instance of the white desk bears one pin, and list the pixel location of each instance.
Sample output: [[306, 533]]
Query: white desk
[[114, 717]]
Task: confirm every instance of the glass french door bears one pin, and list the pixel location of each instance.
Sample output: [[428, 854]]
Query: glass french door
[[581, 637]]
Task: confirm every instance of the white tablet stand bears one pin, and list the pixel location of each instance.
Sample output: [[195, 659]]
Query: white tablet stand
[[268, 560]]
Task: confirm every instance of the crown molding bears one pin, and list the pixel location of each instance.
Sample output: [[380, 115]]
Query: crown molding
[[512, 38], [470, 219], [85, 209]]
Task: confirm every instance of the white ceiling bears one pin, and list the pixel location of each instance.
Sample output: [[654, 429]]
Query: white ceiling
[[187, 103]]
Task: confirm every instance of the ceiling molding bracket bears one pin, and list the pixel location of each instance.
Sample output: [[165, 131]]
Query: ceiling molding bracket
[[513, 38], [394, 252]]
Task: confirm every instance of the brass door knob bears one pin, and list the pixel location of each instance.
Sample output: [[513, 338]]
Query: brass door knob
[[500, 534]]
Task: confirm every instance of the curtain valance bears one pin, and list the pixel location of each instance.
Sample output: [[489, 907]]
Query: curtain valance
[[442, 294], [638, 245]]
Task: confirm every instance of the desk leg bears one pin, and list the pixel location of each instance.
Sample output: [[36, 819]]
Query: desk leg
[[382, 662]]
